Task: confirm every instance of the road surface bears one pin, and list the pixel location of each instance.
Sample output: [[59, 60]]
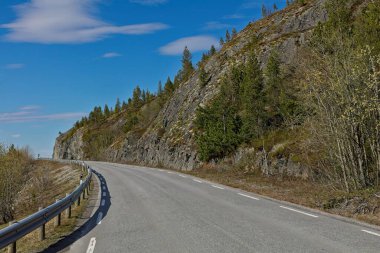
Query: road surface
[[152, 210]]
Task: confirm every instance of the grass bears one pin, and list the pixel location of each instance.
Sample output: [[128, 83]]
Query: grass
[[64, 179]]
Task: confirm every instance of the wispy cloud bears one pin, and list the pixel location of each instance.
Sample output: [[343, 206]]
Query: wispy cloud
[[31, 114], [234, 16], [215, 25], [111, 55], [30, 108], [149, 2], [15, 66], [195, 44], [66, 21], [16, 136]]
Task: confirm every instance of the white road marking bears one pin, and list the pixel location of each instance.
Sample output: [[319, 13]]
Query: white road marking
[[104, 187], [298, 211], [103, 202], [370, 232], [104, 194], [247, 196], [198, 181], [160, 170], [218, 187], [91, 245], [99, 220], [169, 172], [182, 176]]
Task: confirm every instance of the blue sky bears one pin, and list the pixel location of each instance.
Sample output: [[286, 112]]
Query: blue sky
[[60, 58]]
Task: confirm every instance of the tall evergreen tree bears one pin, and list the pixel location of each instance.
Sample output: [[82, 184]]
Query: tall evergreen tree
[[159, 89], [107, 112], [169, 86], [228, 36], [117, 106], [136, 97], [221, 42], [234, 32], [212, 50], [187, 65]]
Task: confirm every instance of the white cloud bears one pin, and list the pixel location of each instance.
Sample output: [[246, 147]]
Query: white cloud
[[195, 44], [111, 55], [30, 108], [66, 21], [16, 136], [15, 66], [31, 114], [149, 2], [234, 16], [215, 25]]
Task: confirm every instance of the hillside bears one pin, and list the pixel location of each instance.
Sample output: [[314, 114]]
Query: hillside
[[167, 136], [293, 94]]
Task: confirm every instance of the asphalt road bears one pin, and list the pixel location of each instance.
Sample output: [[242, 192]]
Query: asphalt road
[[151, 210]]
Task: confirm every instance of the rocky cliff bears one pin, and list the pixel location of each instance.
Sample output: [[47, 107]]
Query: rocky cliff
[[169, 138]]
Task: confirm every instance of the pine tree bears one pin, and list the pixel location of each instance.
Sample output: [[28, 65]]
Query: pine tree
[[221, 42], [212, 50], [187, 65], [252, 100], [264, 11], [159, 90], [143, 96], [169, 86], [107, 112], [117, 106], [228, 36], [234, 33], [136, 97], [203, 76], [275, 8]]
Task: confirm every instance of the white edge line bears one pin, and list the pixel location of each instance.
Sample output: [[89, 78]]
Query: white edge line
[[370, 232], [298, 211], [198, 181], [91, 245], [218, 187], [247, 196]]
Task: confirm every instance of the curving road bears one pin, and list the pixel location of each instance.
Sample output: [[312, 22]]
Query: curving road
[[150, 210]]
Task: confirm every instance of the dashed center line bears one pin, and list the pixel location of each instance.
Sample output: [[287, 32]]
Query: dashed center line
[[247, 196], [198, 181], [169, 172], [182, 176], [370, 232], [298, 211], [218, 187], [103, 202], [104, 194], [91, 245]]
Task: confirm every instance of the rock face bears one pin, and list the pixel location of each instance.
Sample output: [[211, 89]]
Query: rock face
[[169, 140], [69, 147]]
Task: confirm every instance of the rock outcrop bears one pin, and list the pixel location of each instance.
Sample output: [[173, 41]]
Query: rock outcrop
[[169, 140]]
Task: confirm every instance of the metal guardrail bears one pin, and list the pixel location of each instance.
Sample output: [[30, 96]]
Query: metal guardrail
[[14, 232]]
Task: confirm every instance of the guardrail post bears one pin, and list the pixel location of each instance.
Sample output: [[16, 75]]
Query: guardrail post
[[12, 247], [78, 200], [58, 218], [42, 229], [68, 210], [84, 194]]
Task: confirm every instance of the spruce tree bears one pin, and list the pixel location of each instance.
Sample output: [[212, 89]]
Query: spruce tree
[[117, 106], [159, 89], [136, 97], [228, 36], [187, 65], [234, 33], [212, 50], [107, 112], [169, 86]]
